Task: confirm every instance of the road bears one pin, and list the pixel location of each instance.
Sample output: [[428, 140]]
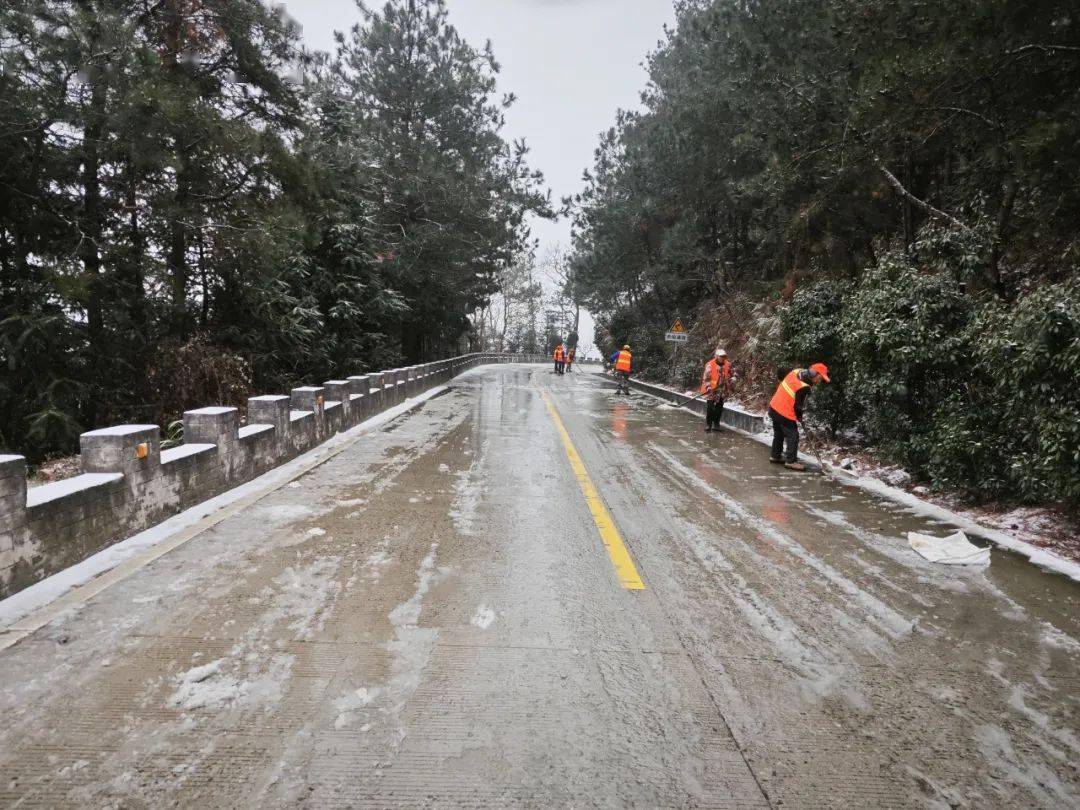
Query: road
[[440, 616]]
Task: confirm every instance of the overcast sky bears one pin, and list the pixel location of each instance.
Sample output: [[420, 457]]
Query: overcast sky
[[571, 63]]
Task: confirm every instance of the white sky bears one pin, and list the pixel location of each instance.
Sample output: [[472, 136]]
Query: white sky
[[571, 63]]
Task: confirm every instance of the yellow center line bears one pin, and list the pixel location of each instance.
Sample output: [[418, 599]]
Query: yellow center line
[[609, 534]]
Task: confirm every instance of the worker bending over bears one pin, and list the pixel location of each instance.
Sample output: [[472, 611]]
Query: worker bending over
[[560, 358], [623, 362], [716, 385], [786, 412]]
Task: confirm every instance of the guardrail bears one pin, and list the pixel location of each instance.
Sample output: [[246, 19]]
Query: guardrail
[[732, 416], [128, 483]]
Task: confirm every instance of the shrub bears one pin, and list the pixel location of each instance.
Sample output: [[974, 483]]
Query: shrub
[[906, 351], [197, 373], [967, 390], [1028, 390], [810, 331]]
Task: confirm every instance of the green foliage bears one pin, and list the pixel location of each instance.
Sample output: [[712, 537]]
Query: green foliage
[[1027, 360], [811, 330], [904, 338], [194, 206], [172, 434], [906, 173], [973, 393]]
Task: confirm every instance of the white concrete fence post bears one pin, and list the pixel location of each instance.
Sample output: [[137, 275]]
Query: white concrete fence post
[[220, 426], [360, 395], [12, 512], [273, 409], [129, 483], [311, 399], [338, 391], [377, 394], [134, 450]]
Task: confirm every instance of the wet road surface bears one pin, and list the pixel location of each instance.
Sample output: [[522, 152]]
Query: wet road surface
[[436, 617]]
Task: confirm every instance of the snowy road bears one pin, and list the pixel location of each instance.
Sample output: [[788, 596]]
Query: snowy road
[[434, 617]]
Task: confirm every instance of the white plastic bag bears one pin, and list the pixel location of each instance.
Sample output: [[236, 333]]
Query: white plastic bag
[[952, 550]]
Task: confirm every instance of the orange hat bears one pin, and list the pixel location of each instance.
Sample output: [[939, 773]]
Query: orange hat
[[821, 369]]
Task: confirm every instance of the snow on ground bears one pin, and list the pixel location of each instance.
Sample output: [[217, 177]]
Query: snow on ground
[[1041, 534], [468, 489], [51, 588], [484, 617], [1017, 528], [351, 705], [412, 645]]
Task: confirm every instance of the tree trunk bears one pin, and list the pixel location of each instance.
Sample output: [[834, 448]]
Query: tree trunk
[[412, 341], [174, 19], [1001, 224], [91, 226], [134, 283], [908, 213], [204, 304], [177, 256]]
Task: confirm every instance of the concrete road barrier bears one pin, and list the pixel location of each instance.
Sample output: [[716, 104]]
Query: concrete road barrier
[[128, 483], [733, 417]]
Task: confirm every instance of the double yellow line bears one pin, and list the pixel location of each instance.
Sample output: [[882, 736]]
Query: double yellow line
[[609, 534]]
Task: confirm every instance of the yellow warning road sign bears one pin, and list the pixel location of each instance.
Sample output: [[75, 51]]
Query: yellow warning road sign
[[677, 327]]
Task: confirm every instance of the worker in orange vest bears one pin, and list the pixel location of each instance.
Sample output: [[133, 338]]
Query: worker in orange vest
[[716, 384], [786, 412], [623, 361], [560, 359], [570, 358]]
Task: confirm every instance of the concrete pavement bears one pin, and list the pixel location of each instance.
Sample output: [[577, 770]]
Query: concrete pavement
[[435, 617]]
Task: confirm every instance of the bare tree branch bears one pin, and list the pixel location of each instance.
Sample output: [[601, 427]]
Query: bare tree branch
[[937, 213], [989, 122], [1043, 48]]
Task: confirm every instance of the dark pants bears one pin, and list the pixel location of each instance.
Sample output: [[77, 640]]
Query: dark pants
[[558, 366], [784, 431], [622, 378], [714, 411], [569, 365]]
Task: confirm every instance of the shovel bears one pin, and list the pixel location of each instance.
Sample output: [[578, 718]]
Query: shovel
[[817, 454], [685, 402]]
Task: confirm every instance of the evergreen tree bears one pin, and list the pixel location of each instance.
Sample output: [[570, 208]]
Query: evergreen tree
[[448, 195], [192, 205]]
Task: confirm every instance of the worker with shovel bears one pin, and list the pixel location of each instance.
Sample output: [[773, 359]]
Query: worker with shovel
[[786, 412], [715, 385]]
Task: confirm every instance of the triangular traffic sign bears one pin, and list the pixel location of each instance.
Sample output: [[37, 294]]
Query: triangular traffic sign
[[677, 326]]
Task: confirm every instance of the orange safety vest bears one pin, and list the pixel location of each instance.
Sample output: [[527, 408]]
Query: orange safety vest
[[783, 401], [622, 362], [570, 355], [714, 371], [558, 354]]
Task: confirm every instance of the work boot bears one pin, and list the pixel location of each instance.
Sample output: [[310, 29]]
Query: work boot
[[776, 460], [795, 465]]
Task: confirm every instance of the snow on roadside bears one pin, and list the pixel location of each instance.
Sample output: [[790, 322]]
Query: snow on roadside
[[1023, 529], [1031, 532], [19, 605]]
